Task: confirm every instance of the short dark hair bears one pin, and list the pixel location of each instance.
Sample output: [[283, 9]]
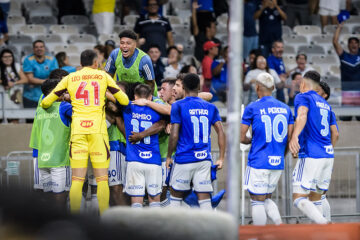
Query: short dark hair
[[313, 75], [154, 45], [130, 90], [37, 41], [255, 51], [191, 82], [181, 76], [353, 38], [276, 41], [58, 74], [293, 76], [87, 57], [170, 81], [186, 68], [147, 2], [301, 54], [49, 85], [128, 34], [60, 57], [325, 87], [171, 48], [142, 90]]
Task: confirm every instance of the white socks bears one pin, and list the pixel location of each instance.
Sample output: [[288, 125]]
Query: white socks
[[326, 208], [136, 205], [94, 204], [205, 204], [258, 212], [309, 209], [175, 202], [318, 205], [154, 205], [272, 211], [165, 203]]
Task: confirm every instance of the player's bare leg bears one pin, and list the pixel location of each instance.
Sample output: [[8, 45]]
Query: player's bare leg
[[118, 197], [103, 192], [137, 202], [175, 198], [258, 211], [77, 182], [204, 201], [154, 201], [164, 200]]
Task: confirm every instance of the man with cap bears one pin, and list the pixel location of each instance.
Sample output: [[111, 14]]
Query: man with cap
[[211, 50], [272, 125], [129, 63]]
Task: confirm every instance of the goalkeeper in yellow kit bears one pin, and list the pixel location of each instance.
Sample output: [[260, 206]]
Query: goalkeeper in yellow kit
[[89, 137]]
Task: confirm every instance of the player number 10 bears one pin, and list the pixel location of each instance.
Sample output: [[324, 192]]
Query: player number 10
[[81, 93], [274, 130]]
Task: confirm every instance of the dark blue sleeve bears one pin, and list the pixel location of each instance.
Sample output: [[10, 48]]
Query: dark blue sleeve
[[291, 118], [65, 111], [216, 116], [247, 116], [271, 63], [175, 116]]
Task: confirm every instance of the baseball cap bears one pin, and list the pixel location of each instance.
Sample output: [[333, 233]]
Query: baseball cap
[[209, 44], [110, 43], [343, 16], [265, 79]]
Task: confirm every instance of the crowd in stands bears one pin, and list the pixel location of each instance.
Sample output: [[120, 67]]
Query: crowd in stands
[[284, 38]]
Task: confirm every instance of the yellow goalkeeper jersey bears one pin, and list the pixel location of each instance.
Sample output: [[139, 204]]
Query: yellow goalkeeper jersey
[[87, 88]]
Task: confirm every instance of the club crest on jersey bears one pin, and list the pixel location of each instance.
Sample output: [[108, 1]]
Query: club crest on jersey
[[86, 123], [274, 160], [145, 155], [201, 154], [329, 149], [45, 157]]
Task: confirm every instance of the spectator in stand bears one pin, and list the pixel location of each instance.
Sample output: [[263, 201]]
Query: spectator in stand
[[219, 77], [37, 67], [295, 87], [100, 52], [301, 62], [204, 13], [103, 16], [202, 36], [270, 16], [153, 28], [252, 55], [259, 66], [159, 67], [251, 38], [173, 69], [193, 69], [3, 27], [275, 62], [211, 50], [144, 4], [63, 61], [109, 47], [350, 69], [328, 8], [297, 10]]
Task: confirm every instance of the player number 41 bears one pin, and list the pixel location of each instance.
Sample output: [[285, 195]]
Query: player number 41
[[82, 93]]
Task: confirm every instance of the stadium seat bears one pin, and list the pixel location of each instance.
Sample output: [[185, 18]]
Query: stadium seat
[[39, 10], [311, 50], [295, 41], [188, 50], [104, 37], [223, 19], [19, 41], [324, 60], [74, 60], [324, 40], [289, 50], [85, 46], [333, 81], [16, 22], [130, 20], [51, 40], [344, 37], [319, 69], [289, 60], [15, 12], [184, 15], [181, 4], [179, 39], [330, 29], [183, 30], [69, 49], [119, 28], [286, 31], [335, 70], [356, 30], [78, 20], [89, 29], [307, 30], [64, 31], [33, 30], [46, 21], [174, 20], [82, 38]]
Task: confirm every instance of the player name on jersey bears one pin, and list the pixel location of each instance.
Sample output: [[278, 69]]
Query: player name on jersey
[[273, 110]]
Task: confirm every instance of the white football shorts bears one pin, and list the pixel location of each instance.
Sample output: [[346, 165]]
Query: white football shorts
[[56, 180], [141, 176], [37, 175], [261, 181], [199, 173], [117, 169], [312, 174]]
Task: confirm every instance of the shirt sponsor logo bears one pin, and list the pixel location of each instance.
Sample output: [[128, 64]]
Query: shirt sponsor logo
[[182, 181], [86, 123], [201, 154], [329, 149], [153, 185], [274, 160], [45, 157], [205, 182], [145, 155], [135, 187]]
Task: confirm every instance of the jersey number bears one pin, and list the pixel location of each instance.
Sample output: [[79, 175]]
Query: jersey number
[[324, 115], [205, 128], [143, 124], [81, 93], [273, 130]]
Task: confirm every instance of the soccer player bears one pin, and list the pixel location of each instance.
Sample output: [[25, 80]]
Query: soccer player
[[129, 63], [89, 135], [143, 158], [191, 120], [53, 136], [272, 124], [311, 139]]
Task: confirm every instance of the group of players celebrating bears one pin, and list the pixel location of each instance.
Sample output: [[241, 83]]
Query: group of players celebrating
[[141, 145]]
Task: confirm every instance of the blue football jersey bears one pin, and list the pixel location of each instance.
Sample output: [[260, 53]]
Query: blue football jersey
[[315, 138], [195, 117], [269, 119], [138, 119]]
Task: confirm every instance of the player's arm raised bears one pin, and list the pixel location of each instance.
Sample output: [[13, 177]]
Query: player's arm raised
[[154, 129], [173, 139], [164, 109], [222, 143], [116, 91], [299, 126], [55, 93]]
